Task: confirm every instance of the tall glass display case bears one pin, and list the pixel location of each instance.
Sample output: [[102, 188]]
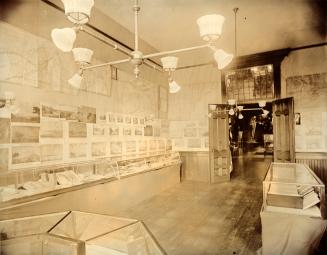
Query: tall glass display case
[[77, 233]]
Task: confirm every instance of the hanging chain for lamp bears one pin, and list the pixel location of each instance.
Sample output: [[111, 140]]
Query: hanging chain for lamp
[[235, 30]]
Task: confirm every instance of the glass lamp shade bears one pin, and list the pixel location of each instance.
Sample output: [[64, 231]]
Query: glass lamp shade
[[210, 26], [212, 107], [82, 55], [78, 11], [262, 103], [231, 101], [240, 116], [169, 63], [240, 107], [222, 58], [75, 81], [265, 112], [63, 38], [174, 87], [231, 112]]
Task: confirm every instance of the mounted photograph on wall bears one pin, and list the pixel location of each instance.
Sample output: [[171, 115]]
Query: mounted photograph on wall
[[4, 156], [99, 149], [4, 130], [24, 134], [27, 113], [77, 150], [114, 131], [25, 154], [99, 130], [86, 114], [49, 111], [111, 117], [51, 152], [297, 117], [116, 148], [51, 129], [77, 129]]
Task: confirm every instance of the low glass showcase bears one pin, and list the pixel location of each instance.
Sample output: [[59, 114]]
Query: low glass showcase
[[77, 233], [31, 182], [147, 163], [24, 185], [293, 188]]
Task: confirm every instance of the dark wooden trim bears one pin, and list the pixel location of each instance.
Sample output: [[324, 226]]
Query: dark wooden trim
[[263, 58], [277, 80]]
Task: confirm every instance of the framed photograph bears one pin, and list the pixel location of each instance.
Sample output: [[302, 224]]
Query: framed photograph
[[51, 129], [4, 154], [127, 131], [99, 149], [297, 118], [119, 119], [51, 152], [116, 148], [143, 145], [24, 134], [4, 130], [130, 146], [28, 113], [77, 150], [99, 130], [49, 111], [77, 129], [128, 120], [138, 131], [114, 131], [135, 121], [25, 154], [111, 117]]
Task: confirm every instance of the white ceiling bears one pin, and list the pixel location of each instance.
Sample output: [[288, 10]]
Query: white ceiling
[[262, 25]]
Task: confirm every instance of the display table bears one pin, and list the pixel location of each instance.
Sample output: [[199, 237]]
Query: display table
[[77, 233], [291, 216]]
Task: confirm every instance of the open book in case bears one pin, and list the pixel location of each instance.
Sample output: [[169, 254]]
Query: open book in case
[[77, 233], [293, 188], [23, 185]]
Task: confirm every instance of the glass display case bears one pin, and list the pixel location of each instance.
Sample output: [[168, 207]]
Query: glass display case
[[19, 186], [147, 162], [293, 188], [32, 182], [77, 233]]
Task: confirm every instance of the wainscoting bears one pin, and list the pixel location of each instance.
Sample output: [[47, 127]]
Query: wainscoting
[[316, 161]]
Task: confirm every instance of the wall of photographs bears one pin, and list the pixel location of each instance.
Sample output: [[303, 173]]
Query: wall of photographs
[[47, 134], [189, 135]]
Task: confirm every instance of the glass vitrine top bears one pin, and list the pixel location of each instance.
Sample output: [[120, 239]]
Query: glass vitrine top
[[291, 173]]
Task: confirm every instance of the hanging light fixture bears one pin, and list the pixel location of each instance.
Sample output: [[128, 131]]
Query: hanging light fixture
[[262, 103], [76, 80], [169, 65], [210, 26], [222, 58], [63, 38], [173, 87], [78, 11], [82, 56]]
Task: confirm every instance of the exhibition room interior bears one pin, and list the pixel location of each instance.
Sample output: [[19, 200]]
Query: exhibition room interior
[[181, 127]]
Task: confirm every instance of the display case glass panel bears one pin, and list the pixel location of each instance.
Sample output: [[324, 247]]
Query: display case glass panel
[[293, 188], [132, 240], [77, 233]]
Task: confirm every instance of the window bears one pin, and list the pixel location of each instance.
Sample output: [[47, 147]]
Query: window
[[250, 84]]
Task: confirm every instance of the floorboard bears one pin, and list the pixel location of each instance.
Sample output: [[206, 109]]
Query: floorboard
[[198, 218]]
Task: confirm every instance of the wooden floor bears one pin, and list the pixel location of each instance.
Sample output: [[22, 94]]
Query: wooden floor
[[198, 218]]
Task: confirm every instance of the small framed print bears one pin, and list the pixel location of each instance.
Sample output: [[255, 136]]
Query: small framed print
[[135, 121], [297, 117], [113, 73]]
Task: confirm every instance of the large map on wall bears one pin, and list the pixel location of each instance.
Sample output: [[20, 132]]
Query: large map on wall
[[310, 100]]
